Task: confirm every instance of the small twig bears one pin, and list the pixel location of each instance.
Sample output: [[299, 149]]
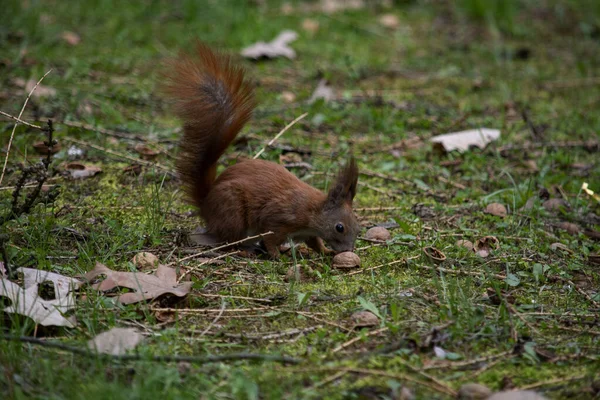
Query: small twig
[[114, 153], [140, 357], [20, 121], [104, 131], [553, 381], [288, 126], [379, 209], [434, 386], [403, 260], [260, 235], [225, 296], [358, 338], [214, 321], [197, 267], [15, 127]]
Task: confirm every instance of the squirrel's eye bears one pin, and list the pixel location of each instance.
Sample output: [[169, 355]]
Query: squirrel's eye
[[339, 228]]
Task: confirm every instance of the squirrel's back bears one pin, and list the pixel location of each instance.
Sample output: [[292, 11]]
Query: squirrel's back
[[214, 100]]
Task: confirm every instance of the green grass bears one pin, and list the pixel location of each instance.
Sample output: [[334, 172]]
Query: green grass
[[445, 68]]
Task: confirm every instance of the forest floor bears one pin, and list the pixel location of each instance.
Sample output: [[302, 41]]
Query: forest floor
[[522, 313]]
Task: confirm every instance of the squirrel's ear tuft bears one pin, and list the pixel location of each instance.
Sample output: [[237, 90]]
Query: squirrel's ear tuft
[[344, 187]]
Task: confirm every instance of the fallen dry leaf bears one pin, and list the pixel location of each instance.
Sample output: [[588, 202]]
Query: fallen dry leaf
[[346, 259], [278, 47], [485, 245], [462, 141], [63, 285], [322, 91], [145, 287], [81, 171], [594, 258], [378, 233], [116, 341], [145, 261], [389, 21], [496, 209], [71, 38], [26, 300], [363, 319]]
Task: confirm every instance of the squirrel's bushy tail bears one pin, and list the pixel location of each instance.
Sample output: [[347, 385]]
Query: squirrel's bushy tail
[[214, 100]]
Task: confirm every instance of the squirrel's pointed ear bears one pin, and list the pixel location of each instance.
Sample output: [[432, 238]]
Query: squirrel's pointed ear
[[344, 187]]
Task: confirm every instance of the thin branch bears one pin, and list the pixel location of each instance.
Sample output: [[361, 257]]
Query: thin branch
[[114, 153], [15, 127], [139, 357], [288, 126], [20, 121], [260, 235]]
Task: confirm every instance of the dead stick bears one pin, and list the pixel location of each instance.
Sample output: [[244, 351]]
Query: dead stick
[[12, 134]]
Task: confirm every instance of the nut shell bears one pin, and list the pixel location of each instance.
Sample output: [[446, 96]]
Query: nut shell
[[378, 233], [346, 259]]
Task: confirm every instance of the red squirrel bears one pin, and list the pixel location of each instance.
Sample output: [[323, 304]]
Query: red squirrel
[[212, 97]]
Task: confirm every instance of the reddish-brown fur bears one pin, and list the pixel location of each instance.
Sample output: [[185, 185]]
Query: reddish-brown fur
[[214, 101]]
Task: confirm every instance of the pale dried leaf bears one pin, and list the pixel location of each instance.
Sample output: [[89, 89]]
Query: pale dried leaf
[[322, 91], [278, 47], [145, 287], [27, 302], [462, 141], [116, 341], [63, 285]]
